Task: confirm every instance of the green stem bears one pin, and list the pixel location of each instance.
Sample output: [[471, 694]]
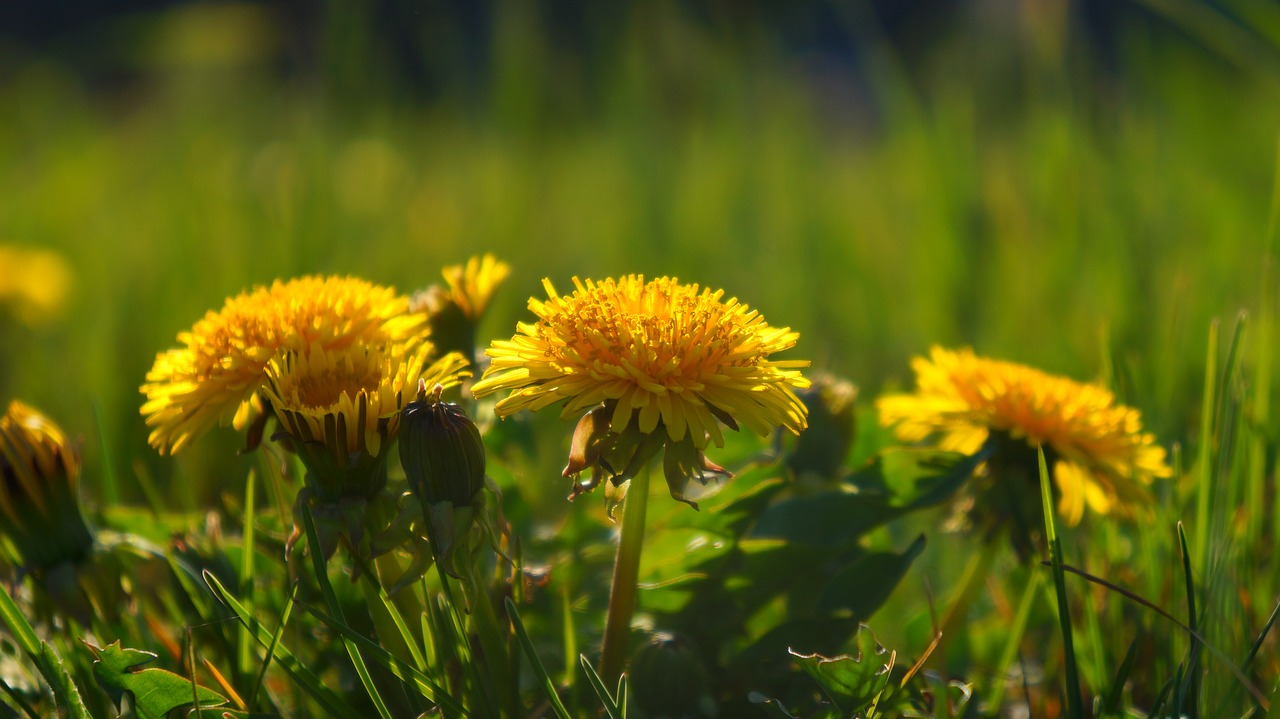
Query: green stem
[[626, 570]]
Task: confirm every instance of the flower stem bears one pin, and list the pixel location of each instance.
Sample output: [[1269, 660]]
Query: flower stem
[[626, 570]]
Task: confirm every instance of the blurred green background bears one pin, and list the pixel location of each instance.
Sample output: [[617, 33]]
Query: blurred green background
[[1057, 183]]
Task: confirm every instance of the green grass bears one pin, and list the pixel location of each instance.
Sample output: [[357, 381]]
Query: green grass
[[1011, 192]]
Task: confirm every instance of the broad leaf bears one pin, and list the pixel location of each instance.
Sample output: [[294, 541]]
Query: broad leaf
[[854, 682], [156, 692], [862, 587], [895, 482]]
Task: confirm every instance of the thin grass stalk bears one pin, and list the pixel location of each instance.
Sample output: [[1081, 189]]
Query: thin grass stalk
[[1016, 632], [244, 639], [1075, 709], [335, 611], [1204, 467]]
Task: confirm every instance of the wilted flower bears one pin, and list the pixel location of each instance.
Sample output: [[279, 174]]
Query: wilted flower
[[455, 311], [1099, 455], [216, 374], [663, 364], [34, 283]]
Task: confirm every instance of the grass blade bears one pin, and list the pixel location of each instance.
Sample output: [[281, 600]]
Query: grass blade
[[47, 661], [1111, 700], [602, 692], [244, 653], [1016, 632], [17, 699], [1204, 467], [1258, 696], [303, 677], [392, 611], [271, 648], [335, 609], [1192, 686], [402, 669], [1075, 709], [549, 686]]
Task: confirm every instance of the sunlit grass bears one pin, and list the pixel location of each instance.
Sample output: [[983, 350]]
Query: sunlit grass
[[1024, 196]]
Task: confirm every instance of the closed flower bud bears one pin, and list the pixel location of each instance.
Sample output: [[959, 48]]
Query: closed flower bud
[[441, 450], [820, 451], [669, 681]]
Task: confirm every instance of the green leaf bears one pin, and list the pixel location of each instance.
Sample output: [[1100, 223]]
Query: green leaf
[[895, 482], [156, 692], [853, 683], [865, 585]]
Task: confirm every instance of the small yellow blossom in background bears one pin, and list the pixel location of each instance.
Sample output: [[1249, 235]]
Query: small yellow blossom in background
[[34, 283], [215, 375], [668, 361], [472, 285], [1100, 456], [455, 310], [341, 408]]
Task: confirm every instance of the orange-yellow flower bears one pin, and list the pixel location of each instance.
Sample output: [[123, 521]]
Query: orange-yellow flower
[[215, 375], [1103, 458]]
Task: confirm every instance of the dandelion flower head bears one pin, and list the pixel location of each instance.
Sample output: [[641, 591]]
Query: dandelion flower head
[[667, 354], [472, 285], [215, 375], [33, 451], [1103, 458], [350, 399]]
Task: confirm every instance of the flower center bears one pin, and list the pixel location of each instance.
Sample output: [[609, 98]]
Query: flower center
[[325, 389]]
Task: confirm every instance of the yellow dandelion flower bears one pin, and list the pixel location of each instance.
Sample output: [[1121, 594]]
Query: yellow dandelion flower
[[667, 353], [472, 285], [34, 283], [215, 375], [668, 361], [1101, 457], [40, 473], [340, 408], [455, 311]]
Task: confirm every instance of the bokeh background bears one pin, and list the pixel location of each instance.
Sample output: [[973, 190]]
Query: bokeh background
[[1081, 186]]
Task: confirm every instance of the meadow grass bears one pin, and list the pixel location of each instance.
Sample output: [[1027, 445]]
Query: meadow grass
[[1023, 197]]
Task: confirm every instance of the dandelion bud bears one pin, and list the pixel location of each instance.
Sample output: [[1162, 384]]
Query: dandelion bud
[[39, 475], [820, 451], [668, 680], [441, 450]]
